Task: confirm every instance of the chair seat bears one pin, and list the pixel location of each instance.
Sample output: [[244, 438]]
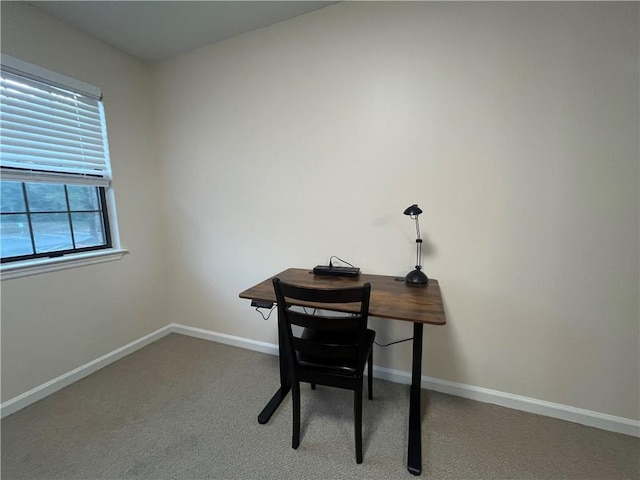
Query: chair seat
[[338, 366]]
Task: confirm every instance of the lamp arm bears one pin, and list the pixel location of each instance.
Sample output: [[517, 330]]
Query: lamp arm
[[418, 246], [417, 228]]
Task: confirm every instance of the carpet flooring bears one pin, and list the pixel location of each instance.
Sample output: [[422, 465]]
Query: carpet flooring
[[184, 408]]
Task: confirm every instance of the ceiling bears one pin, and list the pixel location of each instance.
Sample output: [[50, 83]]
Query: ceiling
[[155, 30]]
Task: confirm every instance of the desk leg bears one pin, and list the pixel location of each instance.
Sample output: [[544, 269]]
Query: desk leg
[[273, 404], [285, 385], [415, 437]]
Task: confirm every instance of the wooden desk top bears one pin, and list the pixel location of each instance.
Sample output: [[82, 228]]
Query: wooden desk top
[[390, 297]]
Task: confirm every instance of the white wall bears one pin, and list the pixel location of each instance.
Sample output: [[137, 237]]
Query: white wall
[[513, 125], [55, 322]]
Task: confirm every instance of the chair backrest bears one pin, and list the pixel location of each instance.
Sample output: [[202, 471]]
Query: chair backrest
[[349, 328]]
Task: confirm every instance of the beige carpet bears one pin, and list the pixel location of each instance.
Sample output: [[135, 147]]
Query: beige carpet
[[184, 408]]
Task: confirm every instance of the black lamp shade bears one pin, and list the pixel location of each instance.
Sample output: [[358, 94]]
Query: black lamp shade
[[413, 210]]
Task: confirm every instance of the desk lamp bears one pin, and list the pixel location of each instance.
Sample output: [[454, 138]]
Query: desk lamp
[[417, 276]]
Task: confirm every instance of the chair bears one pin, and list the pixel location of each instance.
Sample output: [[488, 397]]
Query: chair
[[332, 350]]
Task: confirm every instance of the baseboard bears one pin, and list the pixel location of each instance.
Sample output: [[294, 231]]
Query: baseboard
[[485, 395], [589, 418], [232, 340], [58, 383], [517, 402]]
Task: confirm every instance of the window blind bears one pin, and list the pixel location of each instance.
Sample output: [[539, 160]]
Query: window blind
[[51, 133]]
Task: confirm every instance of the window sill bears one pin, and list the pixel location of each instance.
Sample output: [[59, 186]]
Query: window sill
[[36, 267]]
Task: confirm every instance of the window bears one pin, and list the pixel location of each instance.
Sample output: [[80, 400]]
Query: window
[[55, 184], [50, 219]]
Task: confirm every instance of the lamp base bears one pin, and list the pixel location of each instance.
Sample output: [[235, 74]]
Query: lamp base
[[416, 278]]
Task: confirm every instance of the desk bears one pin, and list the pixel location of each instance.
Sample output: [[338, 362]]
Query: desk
[[392, 299]]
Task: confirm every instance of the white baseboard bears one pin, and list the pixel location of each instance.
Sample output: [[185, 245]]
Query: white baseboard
[[518, 402], [485, 395], [232, 340], [64, 380]]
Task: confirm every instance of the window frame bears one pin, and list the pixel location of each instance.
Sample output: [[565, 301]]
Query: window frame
[[36, 263], [103, 211]]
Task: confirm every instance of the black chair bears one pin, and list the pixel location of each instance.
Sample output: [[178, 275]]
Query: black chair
[[332, 350]]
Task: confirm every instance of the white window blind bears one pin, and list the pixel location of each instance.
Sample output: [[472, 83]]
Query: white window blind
[[51, 133]]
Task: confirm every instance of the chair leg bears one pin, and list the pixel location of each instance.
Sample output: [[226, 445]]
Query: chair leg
[[295, 395], [357, 411], [370, 372], [313, 386]]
